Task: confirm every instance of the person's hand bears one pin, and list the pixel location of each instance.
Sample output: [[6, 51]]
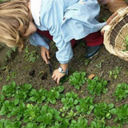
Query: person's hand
[[45, 54], [57, 76]]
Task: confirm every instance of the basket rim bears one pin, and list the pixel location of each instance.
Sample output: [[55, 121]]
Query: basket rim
[[108, 29]]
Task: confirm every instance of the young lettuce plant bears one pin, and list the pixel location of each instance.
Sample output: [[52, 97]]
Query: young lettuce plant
[[22, 92], [121, 114], [48, 116], [70, 100], [31, 113], [103, 110], [9, 90], [97, 86], [9, 124], [121, 91], [54, 94], [85, 105], [96, 123], [37, 96], [77, 79], [80, 123]]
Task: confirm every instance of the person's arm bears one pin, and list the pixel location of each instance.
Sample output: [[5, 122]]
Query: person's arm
[[63, 55], [36, 40]]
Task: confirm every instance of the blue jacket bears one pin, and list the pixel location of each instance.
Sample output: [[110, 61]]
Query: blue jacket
[[65, 20]]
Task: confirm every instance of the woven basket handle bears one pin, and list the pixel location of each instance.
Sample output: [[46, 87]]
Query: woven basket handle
[[105, 28]]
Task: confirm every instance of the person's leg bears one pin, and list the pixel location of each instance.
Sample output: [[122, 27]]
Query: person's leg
[[93, 41], [47, 35]]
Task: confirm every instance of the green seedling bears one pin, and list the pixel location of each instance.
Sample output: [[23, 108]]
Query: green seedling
[[77, 79], [30, 56], [54, 94], [70, 100], [99, 65], [121, 91], [37, 96], [96, 123], [9, 53], [103, 110], [11, 76], [86, 62], [9, 124], [80, 123], [126, 43], [115, 72], [121, 114], [85, 105], [97, 86]]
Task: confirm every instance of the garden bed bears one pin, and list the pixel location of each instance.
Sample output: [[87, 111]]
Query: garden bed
[[41, 103]]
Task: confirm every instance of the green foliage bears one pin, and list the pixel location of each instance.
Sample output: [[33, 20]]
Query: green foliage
[[115, 72], [85, 105], [54, 94], [11, 76], [97, 86], [22, 106], [9, 124], [9, 90], [126, 43], [103, 110], [80, 123], [48, 115], [121, 113], [70, 100], [121, 91], [37, 95], [30, 56], [9, 53], [77, 79], [97, 124]]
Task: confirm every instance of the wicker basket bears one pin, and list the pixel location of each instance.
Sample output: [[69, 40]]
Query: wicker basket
[[115, 34]]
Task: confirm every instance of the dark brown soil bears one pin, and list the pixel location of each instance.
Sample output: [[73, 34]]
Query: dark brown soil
[[37, 73]]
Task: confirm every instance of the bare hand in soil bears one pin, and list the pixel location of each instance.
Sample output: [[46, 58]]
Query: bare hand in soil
[[45, 54], [57, 76]]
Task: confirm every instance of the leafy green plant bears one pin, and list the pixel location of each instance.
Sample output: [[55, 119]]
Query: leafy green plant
[[115, 72], [9, 53], [31, 113], [9, 124], [103, 110], [37, 95], [30, 56], [9, 90], [80, 123], [22, 92], [48, 115], [11, 76], [97, 86], [70, 100], [54, 94], [97, 124], [121, 91], [85, 105], [126, 43], [121, 113], [77, 79]]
